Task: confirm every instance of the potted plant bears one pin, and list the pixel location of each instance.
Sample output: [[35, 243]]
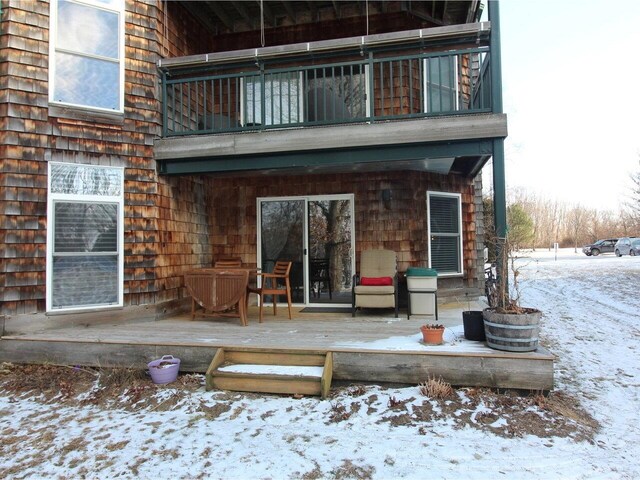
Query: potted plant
[[508, 325], [473, 323], [432, 333]]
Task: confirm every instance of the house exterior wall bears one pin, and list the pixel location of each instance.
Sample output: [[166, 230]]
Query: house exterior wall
[[166, 225], [171, 224], [400, 226]]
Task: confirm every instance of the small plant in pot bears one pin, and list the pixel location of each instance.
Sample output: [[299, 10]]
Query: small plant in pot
[[473, 323], [508, 325], [432, 333]]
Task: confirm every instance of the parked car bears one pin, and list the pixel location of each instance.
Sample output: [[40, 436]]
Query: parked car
[[635, 247], [623, 246], [606, 245]]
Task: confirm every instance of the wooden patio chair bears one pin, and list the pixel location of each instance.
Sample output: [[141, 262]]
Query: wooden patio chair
[[276, 284], [377, 284], [220, 293], [228, 262]]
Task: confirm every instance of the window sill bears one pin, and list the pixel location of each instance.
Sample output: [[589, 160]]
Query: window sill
[[87, 115], [92, 309]]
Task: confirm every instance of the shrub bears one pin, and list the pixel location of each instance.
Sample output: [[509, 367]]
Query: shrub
[[435, 388]]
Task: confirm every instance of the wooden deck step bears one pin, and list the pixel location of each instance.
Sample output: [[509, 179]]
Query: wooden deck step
[[292, 372]]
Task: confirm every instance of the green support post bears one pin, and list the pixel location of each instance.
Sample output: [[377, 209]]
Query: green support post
[[496, 57], [499, 187], [499, 180]]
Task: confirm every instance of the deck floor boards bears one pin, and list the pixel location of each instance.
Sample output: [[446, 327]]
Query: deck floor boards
[[365, 347]]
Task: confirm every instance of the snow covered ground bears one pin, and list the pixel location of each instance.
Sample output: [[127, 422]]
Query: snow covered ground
[[591, 322]]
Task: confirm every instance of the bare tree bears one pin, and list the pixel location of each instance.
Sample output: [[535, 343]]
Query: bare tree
[[576, 220], [534, 208], [632, 209], [593, 224], [555, 221]]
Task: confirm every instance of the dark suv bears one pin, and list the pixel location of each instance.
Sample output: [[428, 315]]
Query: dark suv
[[601, 246]]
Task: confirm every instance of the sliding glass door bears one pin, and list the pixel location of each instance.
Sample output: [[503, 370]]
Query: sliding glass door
[[281, 237], [330, 225], [316, 234]]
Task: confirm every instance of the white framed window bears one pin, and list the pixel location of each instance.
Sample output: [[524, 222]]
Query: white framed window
[[444, 215], [441, 84], [85, 237], [283, 99], [86, 51]]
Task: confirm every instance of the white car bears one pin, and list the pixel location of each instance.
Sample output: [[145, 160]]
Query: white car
[[623, 246]]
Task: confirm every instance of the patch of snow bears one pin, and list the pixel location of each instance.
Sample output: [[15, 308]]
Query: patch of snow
[[288, 370], [453, 339], [591, 322]]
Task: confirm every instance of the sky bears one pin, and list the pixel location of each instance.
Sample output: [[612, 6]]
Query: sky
[[571, 72]]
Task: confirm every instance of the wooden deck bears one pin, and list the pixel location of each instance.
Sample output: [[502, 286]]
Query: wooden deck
[[373, 347]]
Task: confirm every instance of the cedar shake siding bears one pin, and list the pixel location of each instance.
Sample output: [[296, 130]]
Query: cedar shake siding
[[174, 223], [401, 226], [165, 223]]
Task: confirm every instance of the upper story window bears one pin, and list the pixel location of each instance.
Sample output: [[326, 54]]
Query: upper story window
[[87, 54], [441, 84], [330, 94], [282, 99]]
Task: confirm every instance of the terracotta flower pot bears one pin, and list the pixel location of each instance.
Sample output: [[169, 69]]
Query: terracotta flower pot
[[432, 335]]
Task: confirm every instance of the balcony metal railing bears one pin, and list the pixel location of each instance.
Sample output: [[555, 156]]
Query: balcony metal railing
[[367, 89]]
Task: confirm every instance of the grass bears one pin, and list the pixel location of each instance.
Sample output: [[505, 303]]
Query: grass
[[436, 388]]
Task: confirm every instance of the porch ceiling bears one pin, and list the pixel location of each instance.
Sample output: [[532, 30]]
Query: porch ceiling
[[459, 144], [221, 17]]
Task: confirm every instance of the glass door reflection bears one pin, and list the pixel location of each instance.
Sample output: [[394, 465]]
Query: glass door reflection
[[282, 238], [330, 236]]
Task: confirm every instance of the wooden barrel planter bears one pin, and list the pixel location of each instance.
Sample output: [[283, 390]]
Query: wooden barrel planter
[[512, 332]]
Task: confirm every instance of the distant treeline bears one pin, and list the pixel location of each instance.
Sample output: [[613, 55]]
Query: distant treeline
[[538, 222]]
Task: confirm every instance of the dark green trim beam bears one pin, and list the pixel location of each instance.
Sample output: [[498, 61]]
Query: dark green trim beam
[[357, 159]]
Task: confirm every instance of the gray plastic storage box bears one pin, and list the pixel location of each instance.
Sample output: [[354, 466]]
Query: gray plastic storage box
[[422, 285]]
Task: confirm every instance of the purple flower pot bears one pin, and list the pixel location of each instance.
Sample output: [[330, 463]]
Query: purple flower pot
[[164, 370]]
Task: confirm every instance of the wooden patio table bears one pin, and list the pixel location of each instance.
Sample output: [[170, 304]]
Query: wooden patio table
[[221, 292]]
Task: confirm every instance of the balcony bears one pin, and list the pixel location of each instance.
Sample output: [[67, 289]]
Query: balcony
[[364, 91]]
